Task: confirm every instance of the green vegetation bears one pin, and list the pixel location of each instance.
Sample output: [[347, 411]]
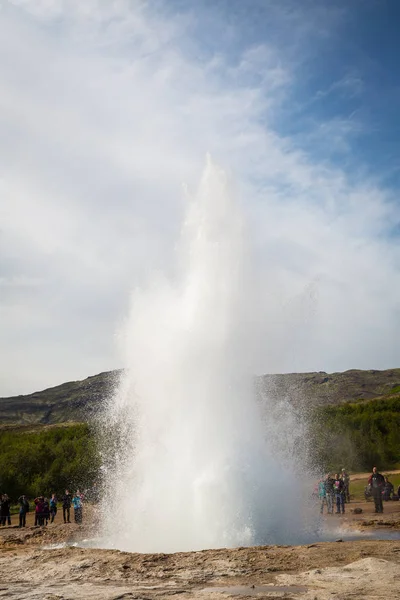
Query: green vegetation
[[40, 452], [357, 435], [42, 460]]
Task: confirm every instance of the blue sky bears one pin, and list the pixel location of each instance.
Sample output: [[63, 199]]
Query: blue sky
[[108, 107], [349, 74], [346, 70]]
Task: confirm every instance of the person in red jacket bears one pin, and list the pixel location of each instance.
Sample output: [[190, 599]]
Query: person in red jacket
[[39, 510], [377, 483]]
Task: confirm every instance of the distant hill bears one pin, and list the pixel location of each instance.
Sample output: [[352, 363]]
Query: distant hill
[[78, 401], [331, 388], [75, 401]]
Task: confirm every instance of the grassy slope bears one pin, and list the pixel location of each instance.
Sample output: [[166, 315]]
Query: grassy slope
[[72, 401], [79, 400], [357, 487]]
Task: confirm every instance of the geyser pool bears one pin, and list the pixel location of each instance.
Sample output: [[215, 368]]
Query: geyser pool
[[187, 461]]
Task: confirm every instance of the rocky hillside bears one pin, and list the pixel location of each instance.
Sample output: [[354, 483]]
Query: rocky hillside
[[331, 388], [79, 400], [75, 401]]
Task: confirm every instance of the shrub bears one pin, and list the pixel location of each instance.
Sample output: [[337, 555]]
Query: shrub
[[47, 459]]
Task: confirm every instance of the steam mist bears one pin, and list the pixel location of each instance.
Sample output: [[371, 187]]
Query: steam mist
[[190, 462]]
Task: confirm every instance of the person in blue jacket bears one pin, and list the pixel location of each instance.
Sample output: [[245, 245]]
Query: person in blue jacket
[[322, 495], [77, 504], [53, 507]]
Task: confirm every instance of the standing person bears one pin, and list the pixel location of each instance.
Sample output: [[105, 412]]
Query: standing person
[[346, 482], [330, 493], [93, 493], [77, 502], [66, 505], [388, 490], [46, 511], [377, 482], [39, 510], [338, 487], [5, 515], [8, 502], [36, 502], [23, 509], [53, 507], [322, 495]]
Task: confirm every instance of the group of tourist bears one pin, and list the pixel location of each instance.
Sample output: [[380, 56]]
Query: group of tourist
[[76, 501], [45, 509], [334, 491]]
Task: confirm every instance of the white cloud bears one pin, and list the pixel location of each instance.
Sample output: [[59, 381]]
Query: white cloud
[[105, 109], [349, 85]]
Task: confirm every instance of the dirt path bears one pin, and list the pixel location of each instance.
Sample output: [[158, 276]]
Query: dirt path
[[368, 518], [390, 517]]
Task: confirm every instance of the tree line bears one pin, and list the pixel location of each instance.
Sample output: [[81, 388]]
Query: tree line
[[47, 460], [44, 460], [357, 435]]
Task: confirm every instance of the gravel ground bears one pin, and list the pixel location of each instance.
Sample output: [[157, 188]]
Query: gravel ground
[[35, 564]]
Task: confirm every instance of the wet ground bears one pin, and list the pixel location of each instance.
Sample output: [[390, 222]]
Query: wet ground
[[255, 590], [55, 563], [363, 569]]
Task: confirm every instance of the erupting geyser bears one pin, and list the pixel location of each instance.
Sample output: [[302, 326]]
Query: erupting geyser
[[188, 463]]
